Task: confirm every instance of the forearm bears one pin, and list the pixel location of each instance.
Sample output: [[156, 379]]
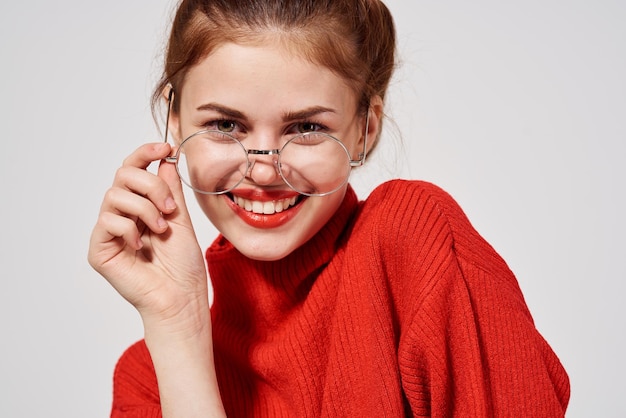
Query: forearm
[[182, 354]]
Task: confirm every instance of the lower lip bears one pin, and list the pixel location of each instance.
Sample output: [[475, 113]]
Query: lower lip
[[262, 221]]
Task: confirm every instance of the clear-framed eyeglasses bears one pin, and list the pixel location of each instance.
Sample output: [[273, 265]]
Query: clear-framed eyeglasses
[[214, 162]]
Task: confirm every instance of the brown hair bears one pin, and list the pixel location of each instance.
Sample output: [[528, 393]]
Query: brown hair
[[353, 38]]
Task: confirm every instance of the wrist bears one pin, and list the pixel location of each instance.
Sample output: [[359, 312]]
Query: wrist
[[190, 319], [181, 348]]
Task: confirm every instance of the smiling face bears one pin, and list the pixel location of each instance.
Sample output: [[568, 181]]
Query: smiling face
[[263, 95]]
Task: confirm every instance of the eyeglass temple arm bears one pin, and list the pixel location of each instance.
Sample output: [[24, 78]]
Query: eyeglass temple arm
[[170, 96], [362, 155]]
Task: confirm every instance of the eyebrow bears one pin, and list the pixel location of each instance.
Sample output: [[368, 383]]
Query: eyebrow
[[232, 113], [306, 113], [288, 116]]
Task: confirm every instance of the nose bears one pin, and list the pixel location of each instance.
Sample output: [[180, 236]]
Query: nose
[[264, 167]]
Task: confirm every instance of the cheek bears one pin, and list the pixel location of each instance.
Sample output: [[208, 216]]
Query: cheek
[[213, 207], [321, 210]]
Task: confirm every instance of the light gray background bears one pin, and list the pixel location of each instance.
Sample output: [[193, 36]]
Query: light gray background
[[516, 108]]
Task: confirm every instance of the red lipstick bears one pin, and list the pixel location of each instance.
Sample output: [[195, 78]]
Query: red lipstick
[[260, 220]]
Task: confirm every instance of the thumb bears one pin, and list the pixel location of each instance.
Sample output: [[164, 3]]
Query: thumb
[[167, 172]]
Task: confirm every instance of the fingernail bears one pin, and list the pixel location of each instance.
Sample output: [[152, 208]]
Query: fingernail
[[162, 223], [139, 243], [170, 204]]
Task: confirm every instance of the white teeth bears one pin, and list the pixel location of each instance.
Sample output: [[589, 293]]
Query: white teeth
[[266, 208], [269, 208], [257, 207]]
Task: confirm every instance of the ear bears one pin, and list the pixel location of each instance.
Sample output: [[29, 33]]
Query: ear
[[172, 123], [373, 125]]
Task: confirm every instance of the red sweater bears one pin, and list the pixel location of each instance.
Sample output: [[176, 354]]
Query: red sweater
[[397, 307]]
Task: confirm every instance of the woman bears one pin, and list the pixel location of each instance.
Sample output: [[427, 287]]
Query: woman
[[323, 305]]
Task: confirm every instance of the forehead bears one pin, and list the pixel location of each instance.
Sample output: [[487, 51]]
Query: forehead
[[266, 74]]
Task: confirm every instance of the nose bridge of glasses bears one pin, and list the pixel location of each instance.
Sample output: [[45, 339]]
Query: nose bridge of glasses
[[262, 143], [265, 156], [263, 151]]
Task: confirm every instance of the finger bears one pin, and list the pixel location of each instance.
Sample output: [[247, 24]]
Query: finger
[[130, 205], [109, 228], [167, 172], [147, 185], [143, 156]]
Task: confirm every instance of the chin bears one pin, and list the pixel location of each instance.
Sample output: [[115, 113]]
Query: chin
[[265, 251]]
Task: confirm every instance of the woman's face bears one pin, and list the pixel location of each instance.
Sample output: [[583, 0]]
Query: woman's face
[[263, 95]]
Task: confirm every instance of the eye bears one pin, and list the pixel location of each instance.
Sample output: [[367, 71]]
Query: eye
[[304, 127], [225, 125]]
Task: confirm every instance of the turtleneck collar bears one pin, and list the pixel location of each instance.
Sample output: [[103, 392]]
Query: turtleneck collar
[[267, 286]]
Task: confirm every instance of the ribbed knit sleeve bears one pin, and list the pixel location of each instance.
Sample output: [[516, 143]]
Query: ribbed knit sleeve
[[135, 389], [468, 347]]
